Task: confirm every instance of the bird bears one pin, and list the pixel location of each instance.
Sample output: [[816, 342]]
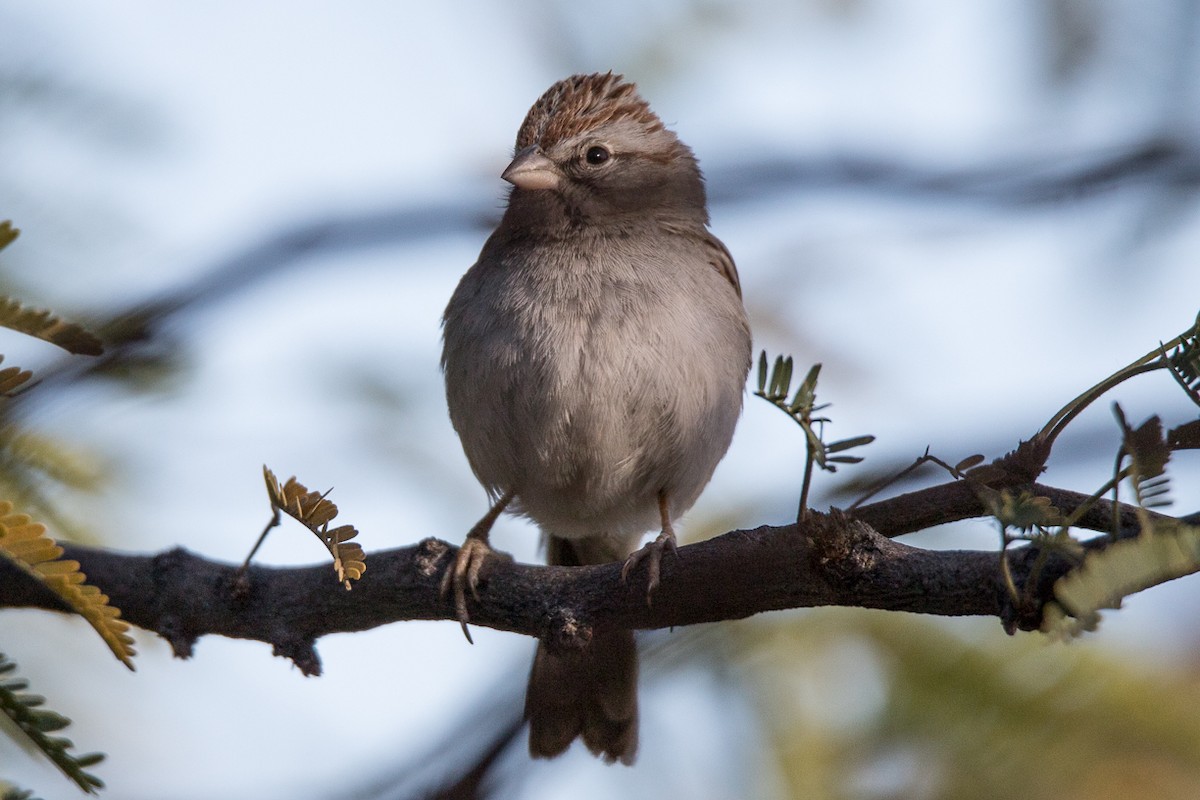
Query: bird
[[595, 358]]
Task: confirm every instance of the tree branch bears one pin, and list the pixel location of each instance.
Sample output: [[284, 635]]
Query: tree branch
[[831, 559], [957, 500]]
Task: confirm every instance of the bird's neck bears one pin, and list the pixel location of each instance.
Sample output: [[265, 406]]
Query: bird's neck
[[550, 215]]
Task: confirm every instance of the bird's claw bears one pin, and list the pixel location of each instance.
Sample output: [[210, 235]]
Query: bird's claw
[[652, 553], [462, 575]]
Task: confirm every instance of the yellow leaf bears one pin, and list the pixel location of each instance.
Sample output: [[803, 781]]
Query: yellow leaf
[[25, 544], [49, 328], [314, 511]]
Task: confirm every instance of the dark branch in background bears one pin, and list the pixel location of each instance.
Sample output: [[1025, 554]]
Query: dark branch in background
[[137, 330], [459, 764], [1168, 163], [830, 560]]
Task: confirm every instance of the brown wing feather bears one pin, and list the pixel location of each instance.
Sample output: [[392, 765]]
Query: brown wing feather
[[715, 251], [722, 261]]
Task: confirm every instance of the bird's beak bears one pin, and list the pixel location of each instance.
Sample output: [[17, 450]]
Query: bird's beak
[[532, 170]]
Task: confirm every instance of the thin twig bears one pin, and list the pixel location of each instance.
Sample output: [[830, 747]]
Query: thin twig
[[241, 584], [809, 458], [1155, 359]]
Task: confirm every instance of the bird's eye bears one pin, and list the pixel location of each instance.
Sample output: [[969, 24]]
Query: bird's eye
[[597, 155]]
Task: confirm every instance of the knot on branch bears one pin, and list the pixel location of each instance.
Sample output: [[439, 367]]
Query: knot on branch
[[565, 632], [182, 642], [429, 555], [169, 573], [845, 550], [169, 562], [300, 651]]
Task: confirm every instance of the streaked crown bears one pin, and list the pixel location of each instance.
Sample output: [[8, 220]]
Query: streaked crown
[[581, 103]]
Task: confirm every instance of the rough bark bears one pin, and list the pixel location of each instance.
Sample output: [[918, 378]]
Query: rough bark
[[829, 559]]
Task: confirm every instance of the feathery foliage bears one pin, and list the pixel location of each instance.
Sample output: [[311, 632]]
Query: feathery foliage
[[41, 323], [27, 459], [1162, 552], [775, 386], [1103, 575], [38, 724], [314, 511], [25, 543], [46, 326], [1184, 362]]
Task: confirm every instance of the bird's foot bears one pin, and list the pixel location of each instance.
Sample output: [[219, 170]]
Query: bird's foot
[[652, 553], [463, 575]]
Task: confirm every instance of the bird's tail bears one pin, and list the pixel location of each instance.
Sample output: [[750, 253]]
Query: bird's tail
[[589, 693]]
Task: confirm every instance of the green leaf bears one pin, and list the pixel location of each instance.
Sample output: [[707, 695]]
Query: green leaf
[[846, 444], [34, 724], [781, 378], [801, 408], [806, 394], [49, 722]]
